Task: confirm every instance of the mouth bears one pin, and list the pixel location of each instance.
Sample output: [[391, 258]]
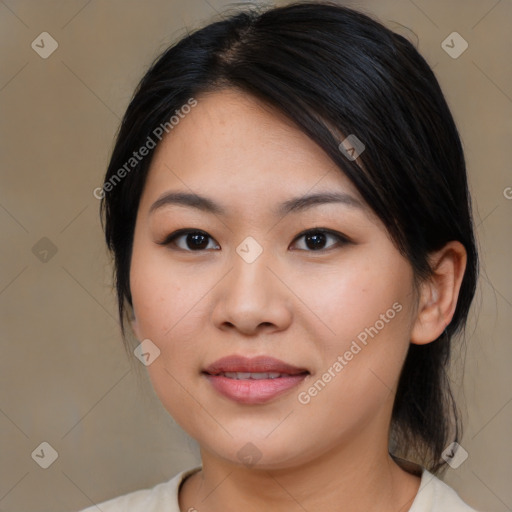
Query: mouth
[[253, 380], [252, 375], [236, 364]]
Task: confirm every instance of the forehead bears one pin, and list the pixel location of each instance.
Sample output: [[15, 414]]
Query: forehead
[[235, 146]]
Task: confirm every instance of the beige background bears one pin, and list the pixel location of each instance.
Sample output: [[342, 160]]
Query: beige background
[[65, 378]]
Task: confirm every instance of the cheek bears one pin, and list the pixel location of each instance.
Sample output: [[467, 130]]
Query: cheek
[[170, 307], [347, 299], [164, 298], [168, 311], [366, 307]]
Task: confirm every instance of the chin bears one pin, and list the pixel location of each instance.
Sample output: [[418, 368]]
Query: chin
[[256, 453]]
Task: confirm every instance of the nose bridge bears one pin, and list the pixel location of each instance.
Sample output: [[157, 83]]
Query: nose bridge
[[251, 295], [250, 265], [250, 250]]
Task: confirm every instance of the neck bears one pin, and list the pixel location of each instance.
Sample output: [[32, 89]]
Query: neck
[[356, 476]]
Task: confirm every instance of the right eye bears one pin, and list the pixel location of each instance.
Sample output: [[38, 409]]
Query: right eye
[[195, 240]]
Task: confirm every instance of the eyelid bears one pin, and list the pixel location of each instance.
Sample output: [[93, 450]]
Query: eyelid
[[342, 239]]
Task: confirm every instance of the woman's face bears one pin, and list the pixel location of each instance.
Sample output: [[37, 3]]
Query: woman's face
[[337, 307]]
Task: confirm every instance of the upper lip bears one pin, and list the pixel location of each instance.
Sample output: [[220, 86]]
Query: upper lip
[[260, 364]]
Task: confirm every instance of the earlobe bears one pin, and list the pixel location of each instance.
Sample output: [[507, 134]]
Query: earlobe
[[438, 294]]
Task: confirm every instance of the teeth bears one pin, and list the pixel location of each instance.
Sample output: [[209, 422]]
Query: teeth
[[249, 375]]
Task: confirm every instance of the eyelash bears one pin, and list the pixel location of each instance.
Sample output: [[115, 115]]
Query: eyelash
[[342, 239]]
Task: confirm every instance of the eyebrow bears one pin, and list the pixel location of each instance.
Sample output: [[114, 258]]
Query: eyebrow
[[295, 204]]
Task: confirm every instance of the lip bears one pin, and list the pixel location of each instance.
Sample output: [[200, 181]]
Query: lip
[[236, 363], [253, 391]]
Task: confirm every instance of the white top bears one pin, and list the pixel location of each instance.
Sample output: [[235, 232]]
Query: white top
[[433, 496]]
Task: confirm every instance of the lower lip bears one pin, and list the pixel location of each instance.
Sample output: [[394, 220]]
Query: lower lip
[[254, 391]]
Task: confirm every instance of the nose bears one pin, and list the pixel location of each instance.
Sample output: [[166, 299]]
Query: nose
[[252, 298]]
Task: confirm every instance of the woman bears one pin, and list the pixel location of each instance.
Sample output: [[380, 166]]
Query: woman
[[288, 211]]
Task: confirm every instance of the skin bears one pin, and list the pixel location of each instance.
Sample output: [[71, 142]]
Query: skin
[[295, 303]]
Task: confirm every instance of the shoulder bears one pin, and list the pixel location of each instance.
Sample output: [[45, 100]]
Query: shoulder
[[162, 497], [436, 496]]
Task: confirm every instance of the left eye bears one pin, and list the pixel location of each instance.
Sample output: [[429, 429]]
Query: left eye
[[196, 240], [317, 238]]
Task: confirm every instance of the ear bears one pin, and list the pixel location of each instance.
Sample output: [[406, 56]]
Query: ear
[[438, 294]]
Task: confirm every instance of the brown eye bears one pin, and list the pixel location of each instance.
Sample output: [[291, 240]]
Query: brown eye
[[316, 239], [194, 240]]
